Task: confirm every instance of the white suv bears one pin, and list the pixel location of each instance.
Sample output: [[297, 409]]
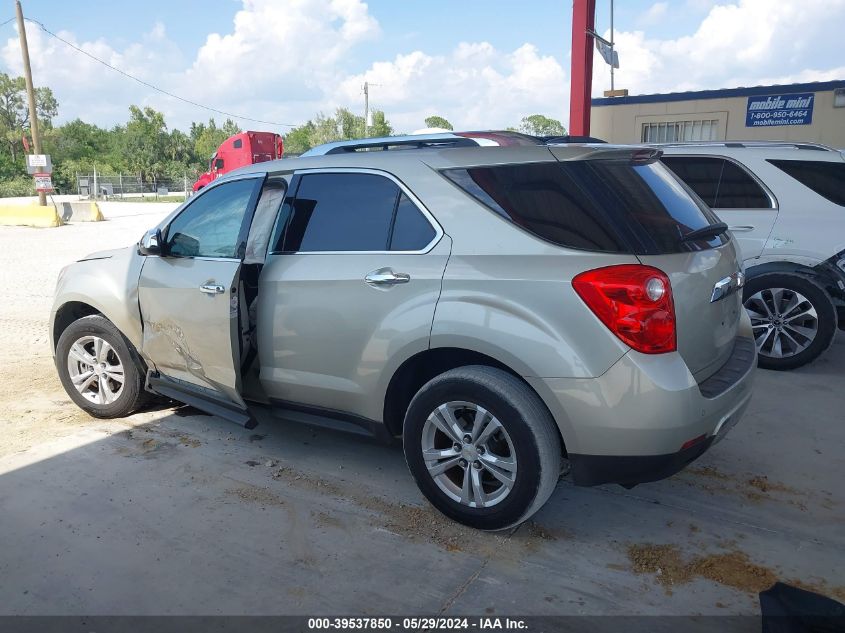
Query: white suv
[[784, 203]]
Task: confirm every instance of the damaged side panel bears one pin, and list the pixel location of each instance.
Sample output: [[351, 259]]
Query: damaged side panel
[[189, 312]]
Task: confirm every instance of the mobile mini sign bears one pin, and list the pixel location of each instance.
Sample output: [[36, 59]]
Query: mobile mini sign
[[774, 110]]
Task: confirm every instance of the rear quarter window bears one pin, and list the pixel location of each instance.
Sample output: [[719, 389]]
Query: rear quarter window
[[597, 205], [825, 178]]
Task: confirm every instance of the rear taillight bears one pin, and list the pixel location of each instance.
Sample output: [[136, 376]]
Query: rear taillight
[[634, 302]]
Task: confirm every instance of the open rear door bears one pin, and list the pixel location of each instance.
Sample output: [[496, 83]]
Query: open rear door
[[189, 301]]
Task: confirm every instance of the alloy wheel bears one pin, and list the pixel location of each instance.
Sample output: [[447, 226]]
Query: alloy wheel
[[469, 454], [784, 321], [95, 370]]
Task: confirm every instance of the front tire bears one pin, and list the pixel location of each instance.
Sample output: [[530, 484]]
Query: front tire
[[793, 319], [99, 369], [482, 447]]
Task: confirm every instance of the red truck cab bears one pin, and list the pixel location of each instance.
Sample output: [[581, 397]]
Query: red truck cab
[[246, 148]]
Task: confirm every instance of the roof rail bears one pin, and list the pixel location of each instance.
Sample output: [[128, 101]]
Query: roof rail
[[749, 144], [419, 141]]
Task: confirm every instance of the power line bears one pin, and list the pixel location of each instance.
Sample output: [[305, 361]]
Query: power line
[[149, 85]]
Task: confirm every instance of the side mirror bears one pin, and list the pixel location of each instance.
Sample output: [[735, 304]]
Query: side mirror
[[151, 243]]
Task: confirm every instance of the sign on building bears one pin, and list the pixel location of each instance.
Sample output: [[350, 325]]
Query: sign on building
[[775, 110], [43, 182], [39, 163]]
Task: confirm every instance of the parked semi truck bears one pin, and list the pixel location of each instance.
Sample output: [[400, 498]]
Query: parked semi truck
[[241, 149]]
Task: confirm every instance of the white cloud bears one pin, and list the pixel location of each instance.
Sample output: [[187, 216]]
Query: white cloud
[[285, 60], [654, 14], [748, 42], [474, 86]]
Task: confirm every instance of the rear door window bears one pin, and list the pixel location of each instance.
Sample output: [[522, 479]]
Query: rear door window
[[825, 178], [353, 212], [720, 183], [599, 205], [411, 230]]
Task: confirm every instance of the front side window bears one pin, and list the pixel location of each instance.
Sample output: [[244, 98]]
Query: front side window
[[353, 212], [720, 183], [825, 178], [211, 225]]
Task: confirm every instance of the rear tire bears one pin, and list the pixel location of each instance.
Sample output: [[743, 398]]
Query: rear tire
[[478, 458], [793, 318], [92, 357]]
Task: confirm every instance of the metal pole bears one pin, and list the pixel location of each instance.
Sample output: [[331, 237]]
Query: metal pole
[[366, 110], [120, 182], [581, 75], [30, 92], [611, 45], [96, 190]]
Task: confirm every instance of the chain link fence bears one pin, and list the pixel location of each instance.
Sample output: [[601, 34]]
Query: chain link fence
[[97, 186]]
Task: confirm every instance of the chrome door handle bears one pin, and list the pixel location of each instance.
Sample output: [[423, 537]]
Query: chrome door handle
[[742, 228], [386, 277], [212, 289]]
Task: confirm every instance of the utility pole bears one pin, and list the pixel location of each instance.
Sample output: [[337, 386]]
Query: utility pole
[[366, 109], [30, 92], [611, 46]]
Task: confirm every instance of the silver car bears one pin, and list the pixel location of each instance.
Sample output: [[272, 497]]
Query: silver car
[[511, 309]]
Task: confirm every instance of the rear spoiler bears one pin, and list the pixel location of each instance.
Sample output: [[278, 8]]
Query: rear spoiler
[[636, 155]]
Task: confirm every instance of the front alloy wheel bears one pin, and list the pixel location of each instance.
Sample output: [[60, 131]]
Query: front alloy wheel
[[95, 369], [99, 368]]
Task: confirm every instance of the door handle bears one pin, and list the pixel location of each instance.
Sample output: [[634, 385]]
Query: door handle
[[386, 277], [212, 289], [742, 228]]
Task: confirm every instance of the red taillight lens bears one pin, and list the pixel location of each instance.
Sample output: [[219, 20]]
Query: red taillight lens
[[634, 302]]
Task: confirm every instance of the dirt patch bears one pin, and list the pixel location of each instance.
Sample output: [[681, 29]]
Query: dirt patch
[[256, 494], [709, 472], [732, 568], [755, 488], [763, 484], [663, 560], [417, 523]]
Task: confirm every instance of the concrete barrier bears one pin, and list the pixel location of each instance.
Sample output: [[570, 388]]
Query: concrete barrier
[[81, 212], [29, 215]]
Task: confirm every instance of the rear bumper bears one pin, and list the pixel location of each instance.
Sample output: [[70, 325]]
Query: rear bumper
[[632, 424], [630, 470]]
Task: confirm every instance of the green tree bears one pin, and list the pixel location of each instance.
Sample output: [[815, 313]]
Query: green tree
[[298, 140], [438, 121], [380, 126], [145, 141], [344, 125], [539, 125], [14, 110]]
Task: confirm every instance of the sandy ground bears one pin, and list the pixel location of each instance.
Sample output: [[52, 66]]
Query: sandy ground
[[173, 512]]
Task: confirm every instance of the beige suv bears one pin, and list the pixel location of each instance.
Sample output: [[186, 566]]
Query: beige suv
[[503, 305]]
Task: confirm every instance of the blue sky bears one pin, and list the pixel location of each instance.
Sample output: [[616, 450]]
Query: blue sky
[[481, 63]]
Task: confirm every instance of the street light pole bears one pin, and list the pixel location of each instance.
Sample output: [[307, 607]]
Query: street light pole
[[366, 109], [30, 92]]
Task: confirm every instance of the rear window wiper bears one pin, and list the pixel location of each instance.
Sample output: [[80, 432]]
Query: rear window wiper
[[705, 232]]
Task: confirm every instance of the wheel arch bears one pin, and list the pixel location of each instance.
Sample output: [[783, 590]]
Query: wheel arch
[[417, 370], [66, 314]]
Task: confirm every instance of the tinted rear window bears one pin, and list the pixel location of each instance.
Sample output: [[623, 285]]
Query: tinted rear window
[[826, 179], [598, 205], [722, 184]]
